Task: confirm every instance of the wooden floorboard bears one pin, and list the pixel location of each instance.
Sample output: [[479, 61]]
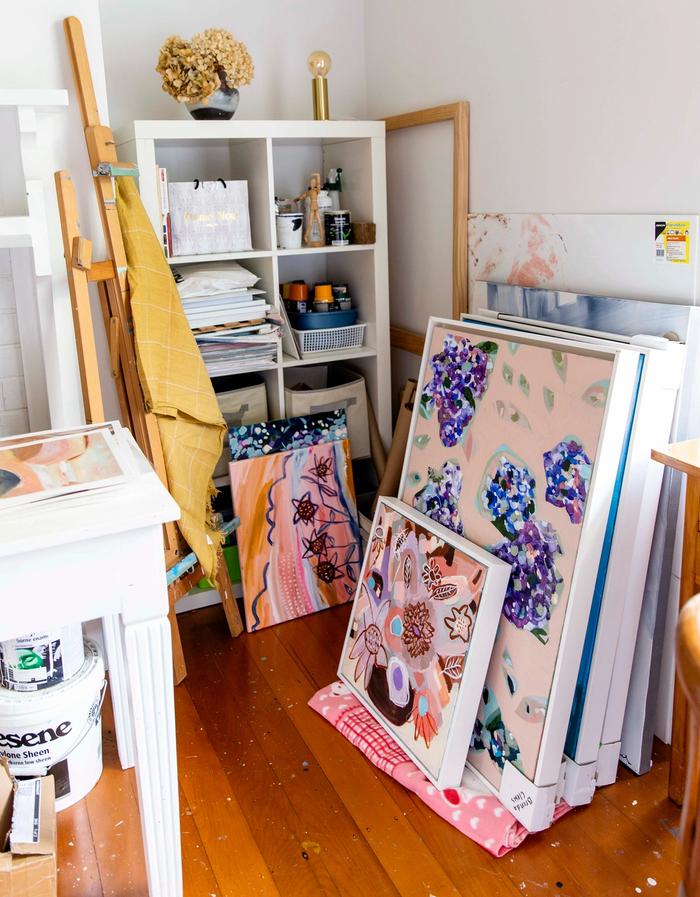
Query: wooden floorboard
[[275, 803]]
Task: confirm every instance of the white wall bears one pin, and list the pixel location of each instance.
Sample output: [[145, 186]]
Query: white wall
[[279, 35], [575, 107], [34, 56]]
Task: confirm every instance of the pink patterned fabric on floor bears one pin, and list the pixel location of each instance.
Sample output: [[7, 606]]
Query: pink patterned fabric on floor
[[469, 808]]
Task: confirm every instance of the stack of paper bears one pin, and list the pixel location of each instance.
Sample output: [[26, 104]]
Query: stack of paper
[[61, 465], [225, 308], [236, 349]]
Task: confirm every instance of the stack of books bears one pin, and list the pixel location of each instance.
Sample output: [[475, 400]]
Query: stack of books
[[225, 309], [237, 349]]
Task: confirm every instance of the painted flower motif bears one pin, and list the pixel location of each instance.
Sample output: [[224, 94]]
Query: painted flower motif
[[509, 496], [490, 733], [304, 508], [322, 467], [328, 570], [460, 374], [418, 631], [568, 470], [534, 580], [376, 545], [460, 622], [431, 574], [423, 717], [439, 498], [316, 545], [369, 644]]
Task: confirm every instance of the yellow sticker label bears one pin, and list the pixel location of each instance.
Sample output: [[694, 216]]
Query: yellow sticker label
[[672, 242]]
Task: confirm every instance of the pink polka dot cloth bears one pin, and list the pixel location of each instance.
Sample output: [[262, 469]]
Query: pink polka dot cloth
[[470, 808]]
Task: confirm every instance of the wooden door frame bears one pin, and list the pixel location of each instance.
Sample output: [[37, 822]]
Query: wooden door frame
[[458, 114]]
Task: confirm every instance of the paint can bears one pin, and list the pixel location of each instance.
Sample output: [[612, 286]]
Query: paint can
[[41, 659], [58, 731], [289, 226], [337, 227]]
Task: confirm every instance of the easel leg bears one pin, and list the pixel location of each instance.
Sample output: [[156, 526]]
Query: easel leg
[[228, 599], [149, 662], [119, 689], [179, 665]]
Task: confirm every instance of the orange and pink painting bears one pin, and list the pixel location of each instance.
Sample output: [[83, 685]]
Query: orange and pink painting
[[299, 540], [33, 469]]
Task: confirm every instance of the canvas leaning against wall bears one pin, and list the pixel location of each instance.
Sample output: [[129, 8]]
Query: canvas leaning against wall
[[299, 540], [420, 636], [513, 437]]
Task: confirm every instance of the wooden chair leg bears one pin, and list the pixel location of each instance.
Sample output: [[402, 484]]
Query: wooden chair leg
[[228, 599]]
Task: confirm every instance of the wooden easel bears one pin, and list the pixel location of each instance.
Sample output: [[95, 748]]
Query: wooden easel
[[110, 276]]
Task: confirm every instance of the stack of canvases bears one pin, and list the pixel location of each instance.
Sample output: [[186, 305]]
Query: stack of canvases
[[298, 539], [535, 447]]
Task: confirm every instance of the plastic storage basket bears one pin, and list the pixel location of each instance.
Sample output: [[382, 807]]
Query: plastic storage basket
[[330, 339]]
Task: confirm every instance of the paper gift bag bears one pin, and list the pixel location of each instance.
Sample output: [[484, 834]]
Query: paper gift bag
[[209, 216]]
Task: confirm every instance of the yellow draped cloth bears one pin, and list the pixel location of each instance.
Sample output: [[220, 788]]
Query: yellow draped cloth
[[175, 381]]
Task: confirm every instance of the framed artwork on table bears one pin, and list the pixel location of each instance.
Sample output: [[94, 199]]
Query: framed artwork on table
[[515, 443], [298, 539], [420, 636]]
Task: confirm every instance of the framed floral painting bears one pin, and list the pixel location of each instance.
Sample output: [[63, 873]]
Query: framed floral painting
[[516, 443], [298, 539], [420, 636]]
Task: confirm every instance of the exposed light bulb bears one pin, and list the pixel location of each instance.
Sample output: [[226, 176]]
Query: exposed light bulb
[[319, 63]]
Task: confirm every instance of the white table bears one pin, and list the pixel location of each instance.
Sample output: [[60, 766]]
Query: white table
[[64, 563]]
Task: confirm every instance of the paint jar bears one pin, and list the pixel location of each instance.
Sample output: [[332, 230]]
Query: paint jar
[[344, 304], [289, 230], [337, 228], [297, 300], [340, 290], [57, 731], [41, 659], [323, 297]]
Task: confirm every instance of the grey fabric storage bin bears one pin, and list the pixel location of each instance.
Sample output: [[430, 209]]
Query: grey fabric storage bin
[[328, 388], [244, 404]]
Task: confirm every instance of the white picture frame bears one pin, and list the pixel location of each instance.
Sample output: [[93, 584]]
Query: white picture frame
[[532, 801], [445, 769]]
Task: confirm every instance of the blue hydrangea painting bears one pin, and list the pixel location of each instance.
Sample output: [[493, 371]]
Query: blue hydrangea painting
[[517, 484], [460, 377]]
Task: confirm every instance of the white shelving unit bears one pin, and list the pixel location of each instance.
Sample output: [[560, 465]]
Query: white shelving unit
[[276, 159]]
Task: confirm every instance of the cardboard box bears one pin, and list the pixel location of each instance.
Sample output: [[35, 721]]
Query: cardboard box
[[27, 836]]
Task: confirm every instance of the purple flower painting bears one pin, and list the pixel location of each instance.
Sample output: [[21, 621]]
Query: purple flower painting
[[534, 581], [567, 468], [502, 450], [460, 376], [509, 496], [439, 498]]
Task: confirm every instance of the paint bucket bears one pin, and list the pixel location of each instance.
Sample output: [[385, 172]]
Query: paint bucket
[[41, 659], [57, 731], [289, 226]]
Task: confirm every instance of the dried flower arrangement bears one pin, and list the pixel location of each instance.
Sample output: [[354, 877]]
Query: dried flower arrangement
[[213, 59]]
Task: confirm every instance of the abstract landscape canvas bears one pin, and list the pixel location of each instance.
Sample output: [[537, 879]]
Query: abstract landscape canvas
[[420, 636], [503, 449], [35, 469], [298, 540]]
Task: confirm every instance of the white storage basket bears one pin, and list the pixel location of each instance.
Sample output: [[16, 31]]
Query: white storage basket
[[330, 339]]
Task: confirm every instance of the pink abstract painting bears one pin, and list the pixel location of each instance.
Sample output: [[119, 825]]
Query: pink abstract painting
[[503, 451], [420, 636], [298, 540]]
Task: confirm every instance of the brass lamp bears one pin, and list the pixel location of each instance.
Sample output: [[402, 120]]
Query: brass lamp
[[319, 64]]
